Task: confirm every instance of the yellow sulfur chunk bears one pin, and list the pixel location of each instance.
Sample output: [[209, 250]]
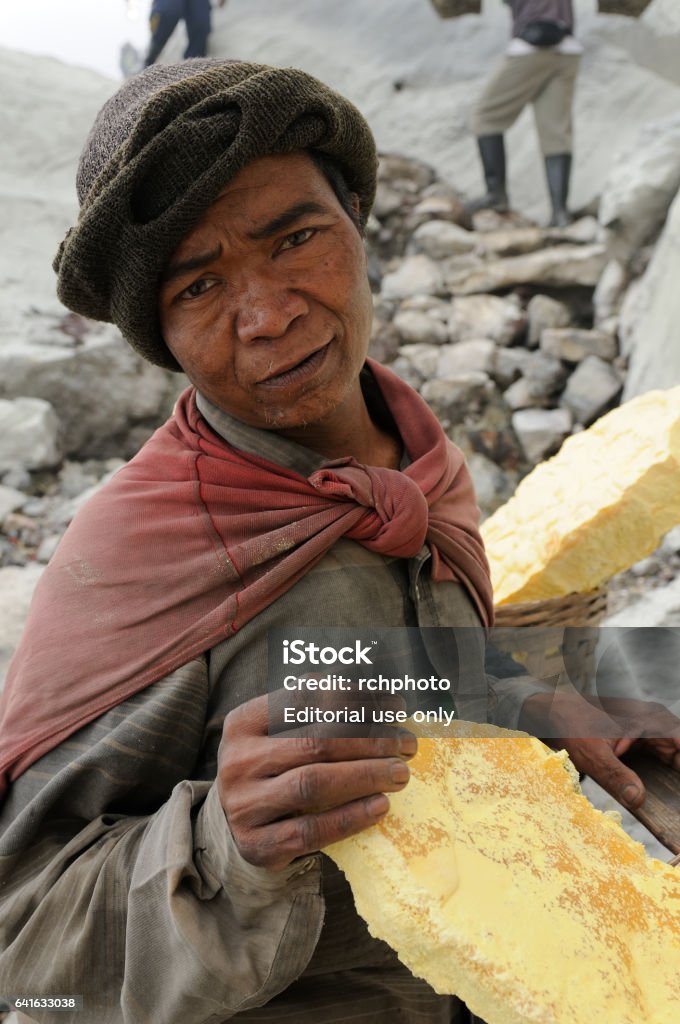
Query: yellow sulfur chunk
[[599, 505], [495, 880]]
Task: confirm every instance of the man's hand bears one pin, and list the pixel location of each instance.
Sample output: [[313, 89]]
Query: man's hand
[[285, 797], [596, 734]]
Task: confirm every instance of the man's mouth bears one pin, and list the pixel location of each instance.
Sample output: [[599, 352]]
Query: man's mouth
[[297, 371]]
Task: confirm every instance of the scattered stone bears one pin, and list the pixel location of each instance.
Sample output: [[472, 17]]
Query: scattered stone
[[642, 184], [543, 377], [541, 431], [441, 207], [609, 293], [653, 342], [492, 486], [18, 478], [573, 345], [10, 501], [440, 308], [405, 173], [544, 312], [16, 590], [510, 241], [387, 201], [424, 358], [415, 327], [592, 389], [60, 516], [441, 238], [48, 546], [474, 355], [384, 343], [486, 316], [452, 399], [671, 542], [649, 566], [98, 387], [557, 266], [509, 365], [416, 275], [584, 231], [29, 434]]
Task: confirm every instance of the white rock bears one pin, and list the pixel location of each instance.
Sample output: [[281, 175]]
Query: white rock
[[543, 312], [651, 338], [441, 238], [557, 266], [29, 434], [509, 365], [416, 275], [642, 184], [541, 431], [591, 390], [491, 483], [415, 327], [423, 357], [660, 607], [455, 397], [10, 500], [486, 316], [65, 511], [99, 388], [573, 345], [671, 542], [16, 590], [609, 292], [464, 357]]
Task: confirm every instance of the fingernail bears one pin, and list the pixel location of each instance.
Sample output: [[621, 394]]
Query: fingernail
[[399, 772], [377, 805], [408, 744], [630, 794]]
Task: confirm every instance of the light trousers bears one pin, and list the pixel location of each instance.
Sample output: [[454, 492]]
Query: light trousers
[[544, 78]]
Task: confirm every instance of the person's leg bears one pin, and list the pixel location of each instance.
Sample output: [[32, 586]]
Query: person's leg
[[197, 20], [162, 21], [515, 83], [553, 114]]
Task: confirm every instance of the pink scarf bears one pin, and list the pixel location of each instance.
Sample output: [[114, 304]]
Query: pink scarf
[[193, 538]]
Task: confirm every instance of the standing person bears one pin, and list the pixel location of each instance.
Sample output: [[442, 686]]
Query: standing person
[[159, 849], [165, 14], [540, 67]]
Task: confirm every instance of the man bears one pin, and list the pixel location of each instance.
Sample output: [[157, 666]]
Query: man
[[158, 848], [540, 67], [165, 15]]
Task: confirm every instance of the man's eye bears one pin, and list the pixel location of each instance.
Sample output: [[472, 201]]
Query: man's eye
[[197, 288], [298, 238]]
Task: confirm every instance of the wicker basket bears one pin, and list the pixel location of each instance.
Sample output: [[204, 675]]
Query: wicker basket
[[535, 633]]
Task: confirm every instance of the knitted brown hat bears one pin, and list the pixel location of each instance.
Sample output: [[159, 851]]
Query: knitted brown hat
[[160, 152]]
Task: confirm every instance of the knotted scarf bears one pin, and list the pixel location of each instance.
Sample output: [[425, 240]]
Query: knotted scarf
[[193, 538]]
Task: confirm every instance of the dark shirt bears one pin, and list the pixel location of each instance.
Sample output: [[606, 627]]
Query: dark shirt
[[526, 11]]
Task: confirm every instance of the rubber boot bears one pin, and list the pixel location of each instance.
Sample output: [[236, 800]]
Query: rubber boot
[[492, 153], [558, 172]]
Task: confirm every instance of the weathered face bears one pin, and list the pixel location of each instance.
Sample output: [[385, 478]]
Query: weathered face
[[266, 303]]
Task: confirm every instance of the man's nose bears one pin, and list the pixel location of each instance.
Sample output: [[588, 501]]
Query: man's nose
[[268, 308]]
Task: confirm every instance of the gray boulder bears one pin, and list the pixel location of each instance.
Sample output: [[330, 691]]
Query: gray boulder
[[592, 390], [641, 185], [98, 385], [486, 316], [29, 434], [541, 431], [557, 266], [653, 317], [572, 345], [543, 312]]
